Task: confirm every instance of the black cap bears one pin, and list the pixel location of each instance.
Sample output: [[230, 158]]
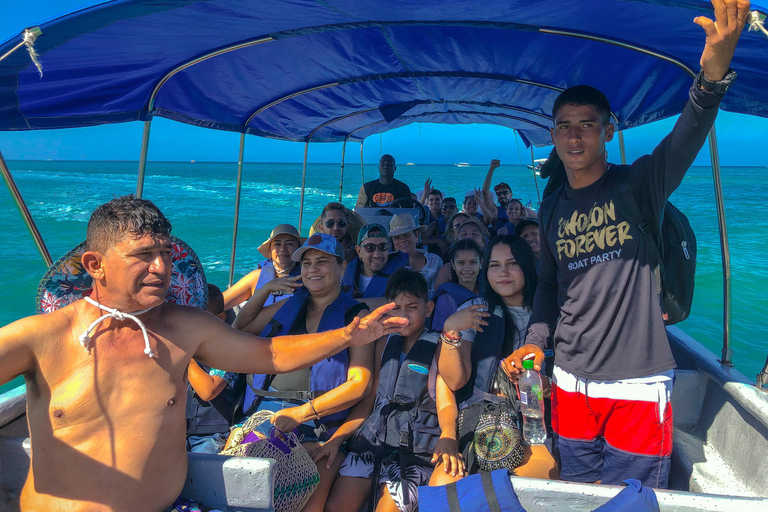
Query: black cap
[[525, 222]]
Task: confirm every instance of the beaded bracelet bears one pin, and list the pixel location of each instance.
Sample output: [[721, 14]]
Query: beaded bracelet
[[314, 411], [452, 342]]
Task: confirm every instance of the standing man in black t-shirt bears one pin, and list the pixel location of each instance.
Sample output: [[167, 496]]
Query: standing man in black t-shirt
[[613, 371], [383, 191]]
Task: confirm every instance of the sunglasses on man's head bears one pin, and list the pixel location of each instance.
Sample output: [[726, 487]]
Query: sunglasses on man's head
[[341, 223], [382, 247]]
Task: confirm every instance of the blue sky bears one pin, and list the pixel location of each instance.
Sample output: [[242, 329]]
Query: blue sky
[[738, 135]]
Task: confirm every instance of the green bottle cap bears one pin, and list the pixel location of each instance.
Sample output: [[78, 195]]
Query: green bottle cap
[[528, 364]]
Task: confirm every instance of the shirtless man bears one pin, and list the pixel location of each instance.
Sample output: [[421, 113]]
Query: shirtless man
[[107, 417]]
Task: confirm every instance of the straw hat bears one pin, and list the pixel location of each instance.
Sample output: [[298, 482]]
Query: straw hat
[[282, 229], [403, 223]]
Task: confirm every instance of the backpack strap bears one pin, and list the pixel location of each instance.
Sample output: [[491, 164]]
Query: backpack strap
[[547, 208], [620, 190]]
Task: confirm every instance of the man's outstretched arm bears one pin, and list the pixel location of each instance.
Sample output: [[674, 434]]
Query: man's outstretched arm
[[229, 350]]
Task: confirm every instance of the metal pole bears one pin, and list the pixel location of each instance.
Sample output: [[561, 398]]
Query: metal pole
[[727, 355], [341, 179], [303, 185], [621, 149], [362, 173], [24, 211], [143, 159], [533, 170], [237, 209]]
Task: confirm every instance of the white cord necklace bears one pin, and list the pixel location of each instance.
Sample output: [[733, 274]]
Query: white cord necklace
[[85, 338]]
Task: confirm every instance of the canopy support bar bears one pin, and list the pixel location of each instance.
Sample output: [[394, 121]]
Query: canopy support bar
[[303, 185], [622, 150], [341, 179], [143, 159], [238, 189], [727, 354], [362, 172], [533, 170], [24, 211]]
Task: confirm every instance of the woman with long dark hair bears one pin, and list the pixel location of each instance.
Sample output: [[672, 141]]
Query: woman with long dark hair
[[486, 330]]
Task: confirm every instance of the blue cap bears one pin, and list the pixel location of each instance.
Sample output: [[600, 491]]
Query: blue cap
[[320, 242]]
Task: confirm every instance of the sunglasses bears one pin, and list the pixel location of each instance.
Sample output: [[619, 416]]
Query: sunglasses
[[341, 223], [382, 247], [449, 207]]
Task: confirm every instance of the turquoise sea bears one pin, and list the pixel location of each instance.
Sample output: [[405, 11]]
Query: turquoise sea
[[198, 198]]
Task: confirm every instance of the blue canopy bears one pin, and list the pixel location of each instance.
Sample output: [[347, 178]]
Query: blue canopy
[[332, 70]]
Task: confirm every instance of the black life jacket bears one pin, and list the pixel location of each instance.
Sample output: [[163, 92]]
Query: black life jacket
[[404, 418], [216, 416], [486, 354]]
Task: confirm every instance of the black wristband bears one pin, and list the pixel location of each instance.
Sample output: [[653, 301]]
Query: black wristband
[[719, 87]]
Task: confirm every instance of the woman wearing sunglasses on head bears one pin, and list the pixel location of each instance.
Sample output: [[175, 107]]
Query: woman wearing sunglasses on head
[[342, 224]]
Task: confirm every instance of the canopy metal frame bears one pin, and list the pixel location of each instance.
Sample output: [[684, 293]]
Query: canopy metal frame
[[727, 352]]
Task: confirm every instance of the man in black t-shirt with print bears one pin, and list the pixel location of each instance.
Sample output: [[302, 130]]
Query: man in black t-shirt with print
[[613, 371], [383, 191]]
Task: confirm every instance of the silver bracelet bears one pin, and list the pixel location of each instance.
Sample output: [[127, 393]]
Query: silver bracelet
[[449, 342]]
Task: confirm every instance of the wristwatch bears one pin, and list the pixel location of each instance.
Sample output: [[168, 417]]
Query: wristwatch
[[719, 87]]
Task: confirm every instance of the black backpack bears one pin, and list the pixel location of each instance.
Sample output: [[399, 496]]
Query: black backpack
[[671, 244]]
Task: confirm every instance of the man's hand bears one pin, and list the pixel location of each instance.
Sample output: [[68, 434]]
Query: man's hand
[[373, 327], [427, 187], [495, 163], [722, 36], [447, 452], [513, 364], [328, 449]]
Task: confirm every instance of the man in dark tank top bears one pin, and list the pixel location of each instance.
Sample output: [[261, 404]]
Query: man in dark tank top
[[383, 191]]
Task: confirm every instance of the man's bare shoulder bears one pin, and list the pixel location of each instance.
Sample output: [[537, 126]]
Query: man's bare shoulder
[[41, 327]]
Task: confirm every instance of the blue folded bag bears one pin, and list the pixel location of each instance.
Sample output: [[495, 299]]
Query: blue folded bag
[[633, 498], [481, 492]]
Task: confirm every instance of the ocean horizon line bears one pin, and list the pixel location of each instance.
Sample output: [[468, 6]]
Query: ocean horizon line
[[308, 163]]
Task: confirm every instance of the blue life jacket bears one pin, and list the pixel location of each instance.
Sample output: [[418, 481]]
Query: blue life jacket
[[379, 281], [486, 354], [267, 274], [456, 295], [216, 416], [442, 225], [404, 418], [325, 375]]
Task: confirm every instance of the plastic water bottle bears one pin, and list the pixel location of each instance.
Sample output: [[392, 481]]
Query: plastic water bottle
[[532, 405]]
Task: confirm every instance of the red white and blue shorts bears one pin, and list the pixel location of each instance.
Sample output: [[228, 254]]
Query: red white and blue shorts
[[613, 430]]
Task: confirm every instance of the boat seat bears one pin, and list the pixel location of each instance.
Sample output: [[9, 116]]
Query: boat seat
[[226, 483]]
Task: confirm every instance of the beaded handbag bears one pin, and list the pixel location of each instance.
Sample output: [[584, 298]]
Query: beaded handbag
[[297, 475]]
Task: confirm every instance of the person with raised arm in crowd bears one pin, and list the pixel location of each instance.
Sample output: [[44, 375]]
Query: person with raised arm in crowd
[[384, 190], [614, 368], [106, 393], [497, 213]]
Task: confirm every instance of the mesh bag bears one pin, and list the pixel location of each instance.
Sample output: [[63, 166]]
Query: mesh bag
[[297, 476]]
